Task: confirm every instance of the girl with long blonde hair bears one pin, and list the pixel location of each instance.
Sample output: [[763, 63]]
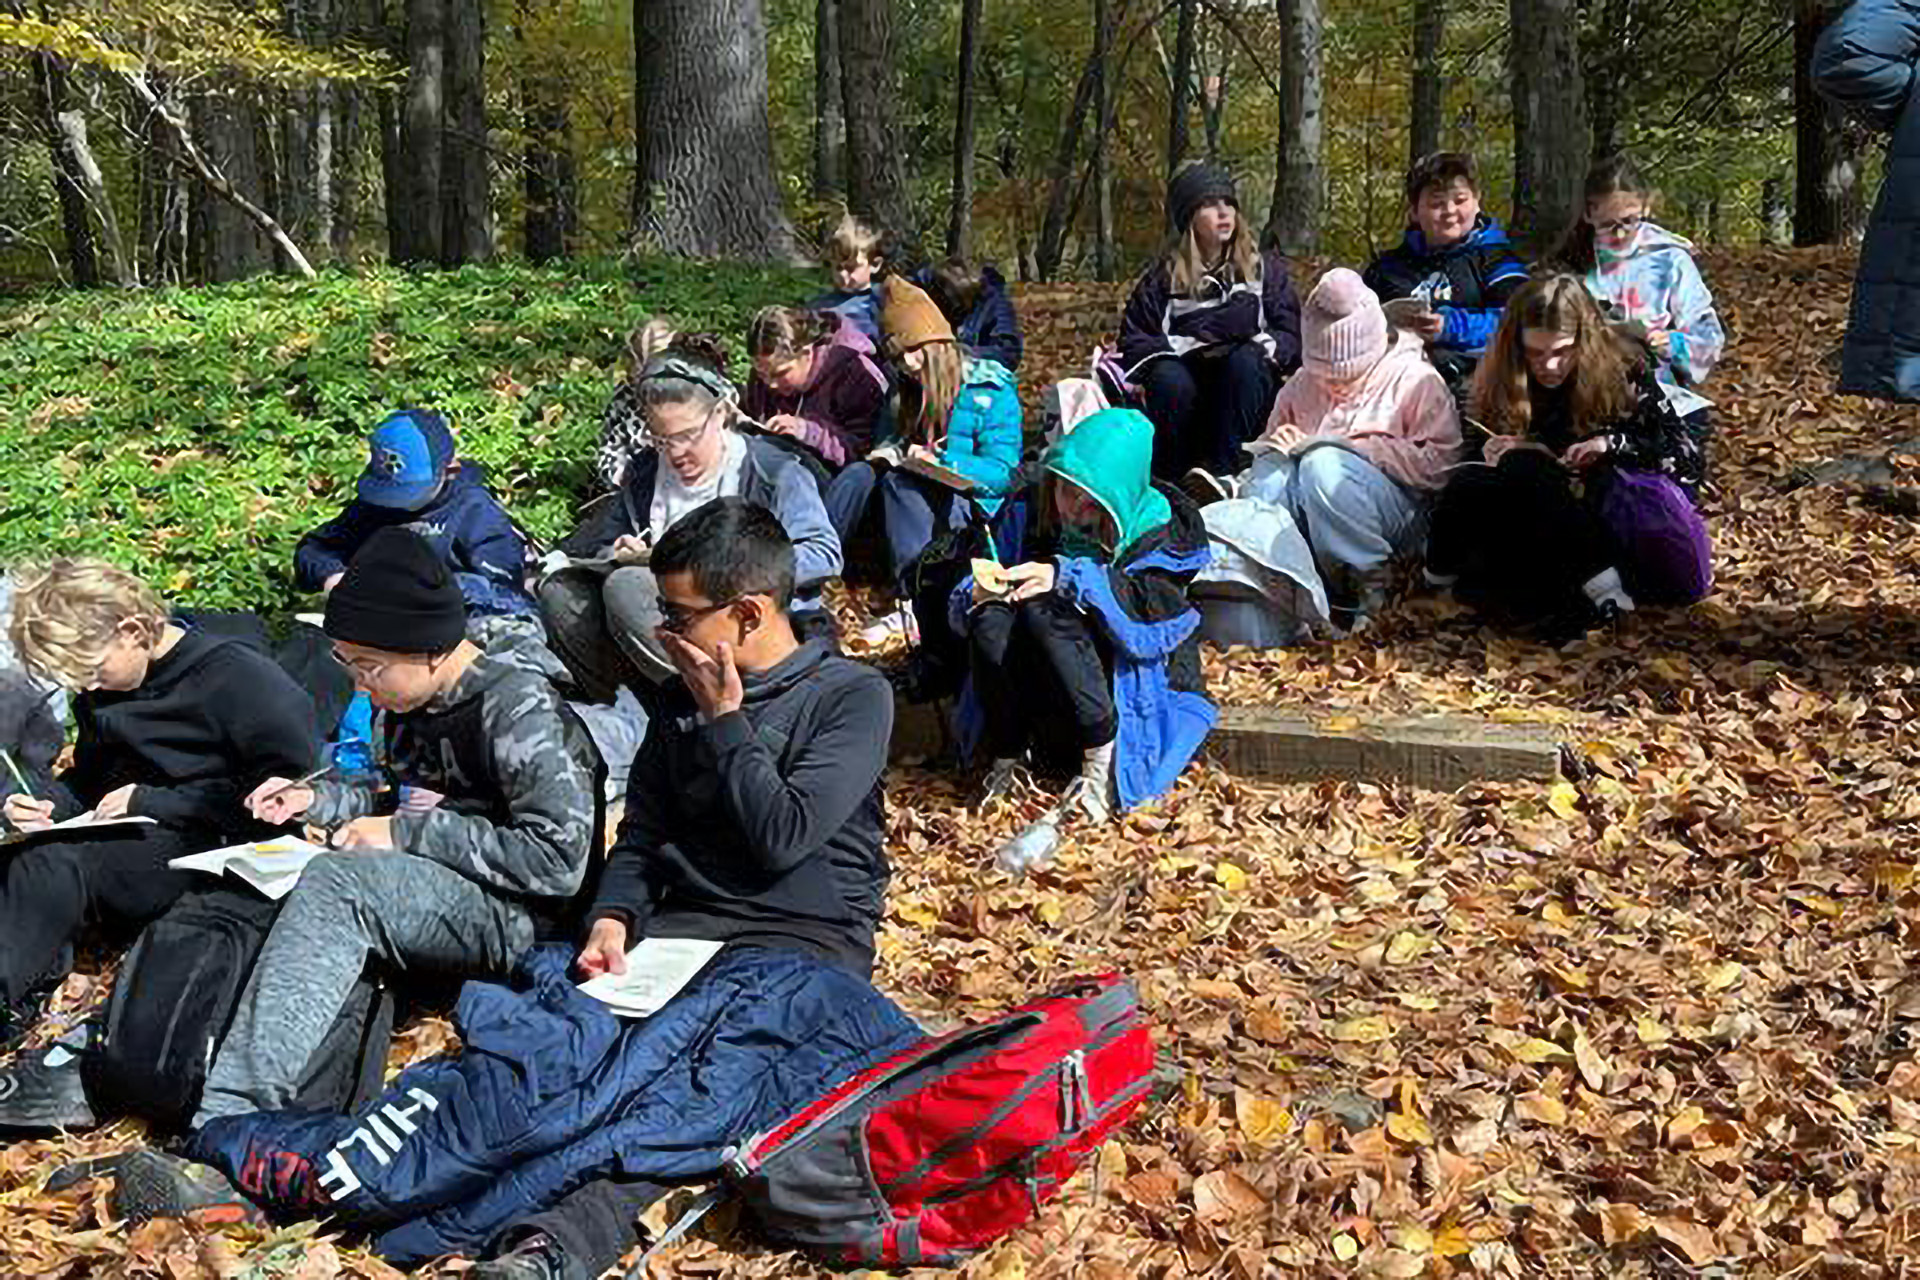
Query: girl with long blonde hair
[[1573, 409], [1211, 329]]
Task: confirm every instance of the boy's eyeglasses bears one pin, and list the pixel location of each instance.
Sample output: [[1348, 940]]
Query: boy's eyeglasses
[[1620, 226], [676, 619], [359, 668]]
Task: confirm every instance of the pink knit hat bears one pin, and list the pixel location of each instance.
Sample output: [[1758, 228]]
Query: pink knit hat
[[1343, 330]]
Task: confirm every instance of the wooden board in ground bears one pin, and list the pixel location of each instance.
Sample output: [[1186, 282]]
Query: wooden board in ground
[[1442, 753]]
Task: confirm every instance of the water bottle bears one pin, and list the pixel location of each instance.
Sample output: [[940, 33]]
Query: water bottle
[[1032, 848]]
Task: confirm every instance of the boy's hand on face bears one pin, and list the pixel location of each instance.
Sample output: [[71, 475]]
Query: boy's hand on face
[[605, 950], [278, 801], [713, 681], [114, 803], [365, 833], [25, 813]]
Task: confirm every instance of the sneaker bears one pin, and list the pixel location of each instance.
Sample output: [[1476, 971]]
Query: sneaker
[[44, 1092], [1087, 799], [534, 1257], [998, 783], [1205, 488], [148, 1184], [19, 1017]]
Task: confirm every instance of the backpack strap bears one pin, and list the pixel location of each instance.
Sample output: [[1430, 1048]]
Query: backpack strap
[[705, 1203]]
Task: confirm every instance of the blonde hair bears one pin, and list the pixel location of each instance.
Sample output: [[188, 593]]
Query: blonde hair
[[851, 240], [65, 615], [928, 399], [1187, 264], [1599, 385]]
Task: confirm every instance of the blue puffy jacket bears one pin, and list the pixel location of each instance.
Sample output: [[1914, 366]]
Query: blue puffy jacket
[[1865, 63], [465, 525], [552, 1091]]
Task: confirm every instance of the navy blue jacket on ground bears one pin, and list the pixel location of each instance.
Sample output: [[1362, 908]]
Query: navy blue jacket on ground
[[992, 331], [1468, 284], [552, 1091], [1865, 63], [466, 525]]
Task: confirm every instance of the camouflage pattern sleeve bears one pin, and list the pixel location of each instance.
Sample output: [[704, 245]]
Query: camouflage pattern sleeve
[[338, 802], [545, 767]]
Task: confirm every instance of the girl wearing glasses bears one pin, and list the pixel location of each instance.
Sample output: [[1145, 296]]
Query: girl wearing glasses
[[1644, 275]]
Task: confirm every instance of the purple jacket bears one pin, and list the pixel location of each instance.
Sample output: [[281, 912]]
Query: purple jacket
[[840, 402], [1224, 310]]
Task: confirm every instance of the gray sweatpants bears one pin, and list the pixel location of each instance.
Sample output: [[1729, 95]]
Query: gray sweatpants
[[1356, 517], [412, 914]]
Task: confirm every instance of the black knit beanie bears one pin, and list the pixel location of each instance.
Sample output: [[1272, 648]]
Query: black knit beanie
[[399, 596], [1193, 186]]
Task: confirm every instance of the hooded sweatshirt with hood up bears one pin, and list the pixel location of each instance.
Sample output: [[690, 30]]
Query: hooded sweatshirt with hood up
[[1134, 591], [1655, 283], [840, 403], [1399, 415], [766, 826]]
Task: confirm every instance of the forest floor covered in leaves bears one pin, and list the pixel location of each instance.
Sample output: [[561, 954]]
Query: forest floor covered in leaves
[[1655, 1020]]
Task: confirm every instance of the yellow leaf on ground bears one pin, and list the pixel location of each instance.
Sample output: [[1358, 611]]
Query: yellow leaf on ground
[[1593, 1067], [1413, 1001], [1414, 1238], [1723, 975], [1542, 1108], [1263, 1120], [1620, 1223], [1529, 1049], [1231, 877], [1684, 1122], [1368, 1030], [1564, 800], [1406, 946], [1651, 1030], [1345, 1247], [1692, 1239], [1410, 1129], [1454, 1242]]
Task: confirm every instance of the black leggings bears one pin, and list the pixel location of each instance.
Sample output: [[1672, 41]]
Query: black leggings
[[1518, 537], [1043, 675]]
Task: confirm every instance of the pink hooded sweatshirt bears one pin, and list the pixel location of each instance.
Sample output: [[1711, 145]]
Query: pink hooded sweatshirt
[[1367, 384]]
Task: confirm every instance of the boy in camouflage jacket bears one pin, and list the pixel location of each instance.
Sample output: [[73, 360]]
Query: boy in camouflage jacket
[[457, 890]]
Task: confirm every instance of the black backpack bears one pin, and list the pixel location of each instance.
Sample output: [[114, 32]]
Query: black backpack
[[175, 998]]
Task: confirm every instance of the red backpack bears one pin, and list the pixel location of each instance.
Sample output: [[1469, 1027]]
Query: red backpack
[[948, 1146]]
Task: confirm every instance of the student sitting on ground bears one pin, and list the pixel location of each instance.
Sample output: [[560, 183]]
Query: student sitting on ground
[[171, 724], [756, 821], [1525, 536], [1455, 259], [855, 255], [413, 480], [1644, 276], [458, 890], [974, 299], [1210, 330], [951, 411], [1086, 657], [604, 618], [1359, 442], [814, 380]]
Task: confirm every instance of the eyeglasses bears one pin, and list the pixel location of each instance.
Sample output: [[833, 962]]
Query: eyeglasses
[[1620, 226], [679, 440], [676, 619], [359, 668]]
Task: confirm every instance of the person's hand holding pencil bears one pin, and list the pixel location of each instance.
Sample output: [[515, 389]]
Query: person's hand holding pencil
[[22, 811], [281, 800]]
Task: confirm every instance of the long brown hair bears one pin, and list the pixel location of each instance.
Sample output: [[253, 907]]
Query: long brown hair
[[926, 398], [1598, 383], [1616, 175], [784, 332], [1187, 263]]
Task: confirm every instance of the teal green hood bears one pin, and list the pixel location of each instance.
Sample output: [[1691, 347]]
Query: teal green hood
[[1110, 455]]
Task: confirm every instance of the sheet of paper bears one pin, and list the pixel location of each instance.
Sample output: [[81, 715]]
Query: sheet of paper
[[656, 970], [271, 866], [80, 822]]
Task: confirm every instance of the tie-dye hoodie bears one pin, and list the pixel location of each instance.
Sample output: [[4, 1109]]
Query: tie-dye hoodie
[[1655, 282]]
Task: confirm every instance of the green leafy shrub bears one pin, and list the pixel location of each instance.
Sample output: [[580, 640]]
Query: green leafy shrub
[[194, 434]]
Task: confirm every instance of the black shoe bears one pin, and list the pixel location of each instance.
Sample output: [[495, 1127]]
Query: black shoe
[[1205, 488], [45, 1092], [535, 1257], [148, 1184]]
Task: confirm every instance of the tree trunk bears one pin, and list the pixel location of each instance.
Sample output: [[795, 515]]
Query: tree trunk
[[876, 176], [706, 180], [546, 167], [466, 180], [1105, 263], [829, 111], [417, 235], [1551, 144], [73, 127], [162, 199], [1828, 203], [1299, 183], [1053, 226], [1776, 221], [1180, 84], [50, 93], [297, 115], [1429, 37], [960, 224], [324, 142]]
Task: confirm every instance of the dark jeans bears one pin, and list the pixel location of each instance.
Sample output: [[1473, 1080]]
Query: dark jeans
[[1520, 539], [1044, 680], [50, 891], [1205, 407], [596, 1224], [912, 510]]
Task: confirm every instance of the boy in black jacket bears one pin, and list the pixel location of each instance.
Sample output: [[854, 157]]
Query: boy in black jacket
[[1455, 259], [754, 814], [172, 724]]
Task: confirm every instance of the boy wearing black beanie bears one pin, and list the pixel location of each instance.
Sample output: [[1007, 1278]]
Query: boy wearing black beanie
[[457, 890]]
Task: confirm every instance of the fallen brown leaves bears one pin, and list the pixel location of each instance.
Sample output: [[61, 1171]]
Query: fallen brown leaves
[[1656, 1020]]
